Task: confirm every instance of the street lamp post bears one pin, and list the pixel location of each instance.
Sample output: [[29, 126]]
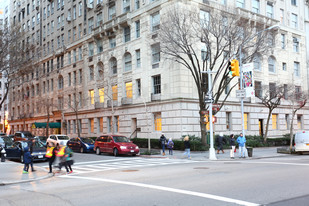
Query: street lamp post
[[212, 153], [241, 73]]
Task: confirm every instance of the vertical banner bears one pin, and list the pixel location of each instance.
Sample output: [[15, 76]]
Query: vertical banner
[[248, 79]]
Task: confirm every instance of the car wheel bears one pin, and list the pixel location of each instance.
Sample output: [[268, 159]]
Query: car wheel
[[115, 152], [22, 158], [81, 150], [98, 152]]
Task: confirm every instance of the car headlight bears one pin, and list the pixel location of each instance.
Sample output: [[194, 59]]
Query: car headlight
[[136, 147], [87, 145], [123, 147]]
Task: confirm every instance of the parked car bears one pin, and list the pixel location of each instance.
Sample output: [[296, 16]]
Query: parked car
[[55, 139], [81, 144], [22, 135], [115, 144], [16, 151], [301, 142], [41, 139], [2, 134]]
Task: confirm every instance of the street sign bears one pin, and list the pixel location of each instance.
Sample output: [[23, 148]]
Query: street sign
[[240, 93], [207, 101]]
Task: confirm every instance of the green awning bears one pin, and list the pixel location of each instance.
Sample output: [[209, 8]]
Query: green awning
[[43, 125]]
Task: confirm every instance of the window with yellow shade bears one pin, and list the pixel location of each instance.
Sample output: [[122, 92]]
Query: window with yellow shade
[[274, 121], [246, 121], [91, 125], [115, 92], [101, 95], [158, 122], [129, 89], [91, 95]]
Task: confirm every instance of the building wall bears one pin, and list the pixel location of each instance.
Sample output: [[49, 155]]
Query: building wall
[[177, 103]]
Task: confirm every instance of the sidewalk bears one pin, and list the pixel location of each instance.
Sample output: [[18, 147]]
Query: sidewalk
[[258, 153], [11, 172]]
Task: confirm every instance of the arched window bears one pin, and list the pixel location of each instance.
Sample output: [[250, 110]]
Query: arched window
[[113, 65], [60, 82], [127, 62], [271, 64], [257, 62]]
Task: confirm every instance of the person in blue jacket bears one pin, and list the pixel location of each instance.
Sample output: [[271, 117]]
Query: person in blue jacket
[[27, 160], [241, 140]]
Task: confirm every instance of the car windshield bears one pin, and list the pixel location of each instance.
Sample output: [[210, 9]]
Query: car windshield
[[36, 145], [63, 137], [43, 138], [121, 139], [87, 140], [28, 134]]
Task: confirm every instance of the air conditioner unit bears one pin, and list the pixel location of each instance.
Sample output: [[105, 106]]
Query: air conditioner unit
[[69, 19], [90, 6]]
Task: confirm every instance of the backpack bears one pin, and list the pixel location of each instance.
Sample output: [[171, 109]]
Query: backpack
[[170, 144]]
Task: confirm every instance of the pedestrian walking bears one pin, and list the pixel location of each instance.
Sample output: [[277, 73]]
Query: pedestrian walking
[[220, 141], [170, 146], [162, 142], [187, 147], [27, 160], [65, 154], [232, 144], [241, 140], [51, 154], [31, 144]]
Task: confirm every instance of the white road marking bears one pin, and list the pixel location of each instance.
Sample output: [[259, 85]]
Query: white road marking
[[254, 162], [186, 192]]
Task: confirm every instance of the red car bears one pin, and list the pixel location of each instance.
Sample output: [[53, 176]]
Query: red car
[[115, 144]]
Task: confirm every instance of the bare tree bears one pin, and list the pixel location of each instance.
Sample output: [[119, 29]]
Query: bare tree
[[271, 99], [202, 41], [297, 100]]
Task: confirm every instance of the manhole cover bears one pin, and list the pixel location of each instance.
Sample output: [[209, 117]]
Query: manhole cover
[[129, 170], [200, 168]]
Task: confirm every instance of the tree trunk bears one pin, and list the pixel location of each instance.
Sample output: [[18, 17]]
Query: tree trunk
[[203, 130], [291, 131], [267, 125], [77, 123]]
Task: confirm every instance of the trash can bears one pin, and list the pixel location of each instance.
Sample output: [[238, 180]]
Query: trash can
[[250, 151]]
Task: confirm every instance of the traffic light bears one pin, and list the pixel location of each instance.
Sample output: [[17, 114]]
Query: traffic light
[[234, 67]]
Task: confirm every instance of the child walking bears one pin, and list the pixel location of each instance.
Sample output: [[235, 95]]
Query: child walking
[[27, 160], [170, 146]]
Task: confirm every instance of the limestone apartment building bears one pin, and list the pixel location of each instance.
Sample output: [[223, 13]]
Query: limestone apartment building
[[105, 55]]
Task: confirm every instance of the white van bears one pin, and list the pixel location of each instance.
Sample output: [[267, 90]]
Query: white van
[[302, 142]]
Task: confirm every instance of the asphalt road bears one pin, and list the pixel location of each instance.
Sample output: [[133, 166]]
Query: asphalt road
[[108, 180]]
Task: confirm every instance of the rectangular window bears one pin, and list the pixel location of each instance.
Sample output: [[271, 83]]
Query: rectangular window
[[138, 87], [101, 124], [69, 79], [91, 49], [129, 89], [126, 6], [295, 44], [294, 2], [270, 10], [240, 3], [155, 21], [294, 21], [204, 18], [155, 52], [282, 41], [258, 88], [138, 58], [101, 95], [137, 4], [91, 96], [274, 118], [137, 29], [115, 92], [111, 11], [80, 76], [80, 56], [299, 122], [109, 124], [99, 19], [287, 121], [158, 122], [157, 84], [296, 69], [127, 34], [282, 16], [99, 46], [91, 73], [285, 91], [246, 121], [116, 125], [256, 6], [80, 8], [228, 121], [112, 42], [91, 125], [283, 66], [272, 90]]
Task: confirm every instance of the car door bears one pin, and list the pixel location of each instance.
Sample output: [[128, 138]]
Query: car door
[[14, 151], [71, 143], [109, 145], [103, 144]]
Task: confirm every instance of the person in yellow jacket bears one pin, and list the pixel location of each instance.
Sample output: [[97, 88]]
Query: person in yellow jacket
[[51, 154]]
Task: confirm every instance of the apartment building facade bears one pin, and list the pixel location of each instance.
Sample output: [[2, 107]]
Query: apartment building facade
[[105, 57]]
